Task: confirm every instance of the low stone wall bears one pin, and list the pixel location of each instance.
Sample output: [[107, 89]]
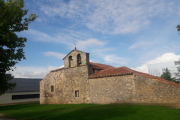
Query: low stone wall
[[155, 91], [130, 89], [117, 89]]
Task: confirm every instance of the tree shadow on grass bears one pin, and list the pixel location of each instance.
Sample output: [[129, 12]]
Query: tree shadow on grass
[[90, 112], [101, 112]]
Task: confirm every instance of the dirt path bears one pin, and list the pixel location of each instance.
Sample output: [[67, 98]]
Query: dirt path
[[1, 115]]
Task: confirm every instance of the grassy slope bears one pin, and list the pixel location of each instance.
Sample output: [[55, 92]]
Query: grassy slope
[[34, 111]]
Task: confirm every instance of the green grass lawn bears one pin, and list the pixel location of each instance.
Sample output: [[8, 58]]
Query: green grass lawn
[[35, 111]]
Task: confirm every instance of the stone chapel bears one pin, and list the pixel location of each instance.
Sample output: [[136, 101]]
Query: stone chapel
[[82, 81]]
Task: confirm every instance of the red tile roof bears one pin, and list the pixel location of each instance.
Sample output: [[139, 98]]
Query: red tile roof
[[111, 72], [107, 71], [120, 71], [94, 66], [152, 77], [100, 66]]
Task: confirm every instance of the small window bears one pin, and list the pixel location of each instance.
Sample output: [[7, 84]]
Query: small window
[[93, 70], [52, 88], [76, 93], [25, 96]]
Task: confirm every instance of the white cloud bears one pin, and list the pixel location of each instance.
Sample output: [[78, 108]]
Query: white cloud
[[58, 37], [32, 72], [89, 43], [143, 68], [113, 59], [98, 50], [142, 44], [163, 58], [55, 54], [112, 17], [43, 19], [69, 37]]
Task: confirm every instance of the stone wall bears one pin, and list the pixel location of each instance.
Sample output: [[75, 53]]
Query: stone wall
[[56, 79], [117, 89], [76, 79], [154, 91], [65, 82]]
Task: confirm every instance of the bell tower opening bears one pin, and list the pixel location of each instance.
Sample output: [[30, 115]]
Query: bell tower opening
[[70, 61], [78, 59]]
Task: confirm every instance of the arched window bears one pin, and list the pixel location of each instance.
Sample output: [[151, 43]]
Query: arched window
[[70, 61], [78, 60]]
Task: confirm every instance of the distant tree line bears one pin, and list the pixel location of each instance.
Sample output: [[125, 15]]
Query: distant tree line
[[167, 75]]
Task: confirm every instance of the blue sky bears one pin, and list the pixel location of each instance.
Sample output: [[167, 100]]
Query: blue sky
[[132, 33]]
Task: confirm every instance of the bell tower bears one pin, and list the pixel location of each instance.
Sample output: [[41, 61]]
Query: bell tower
[[76, 58], [76, 73]]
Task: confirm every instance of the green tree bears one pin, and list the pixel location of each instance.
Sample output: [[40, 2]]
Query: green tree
[[167, 75], [178, 73], [12, 20]]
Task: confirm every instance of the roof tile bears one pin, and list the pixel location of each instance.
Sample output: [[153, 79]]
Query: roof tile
[[100, 66], [111, 72], [57, 69], [120, 71], [107, 71]]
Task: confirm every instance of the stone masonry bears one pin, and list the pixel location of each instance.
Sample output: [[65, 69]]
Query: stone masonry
[[66, 81], [81, 81], [115, 89], [155, 91]]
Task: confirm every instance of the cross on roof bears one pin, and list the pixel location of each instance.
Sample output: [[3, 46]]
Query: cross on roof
[[75, 46]]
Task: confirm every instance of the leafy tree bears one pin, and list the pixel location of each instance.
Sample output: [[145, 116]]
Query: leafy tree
[[178, 73], [167, 75], [11, 46]]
